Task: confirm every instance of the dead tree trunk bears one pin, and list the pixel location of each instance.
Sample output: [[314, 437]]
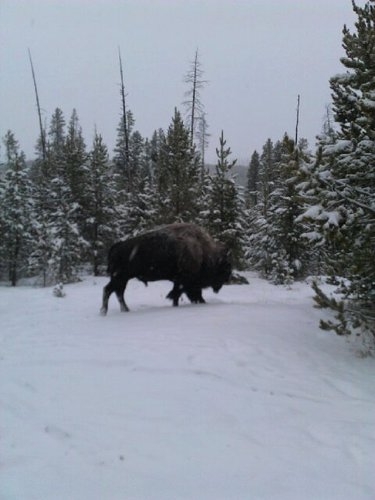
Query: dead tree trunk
[[42, 136], [124, 116], [193, 103], [297, 121]]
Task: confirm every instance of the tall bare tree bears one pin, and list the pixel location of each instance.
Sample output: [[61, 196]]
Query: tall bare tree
[[42, 133], [193, 102], [297, 119], [124, 112]]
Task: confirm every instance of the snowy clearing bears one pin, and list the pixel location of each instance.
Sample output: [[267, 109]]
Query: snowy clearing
[[241, 398]]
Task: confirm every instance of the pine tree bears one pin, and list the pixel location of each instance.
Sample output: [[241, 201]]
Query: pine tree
[[75, 157], [152, 155], [252, 185], [45, 170], [157, 145], [147, 166], [41, 178], [15, 212], [345, 178], [177, 175], [67, 243], [260, 250], [142, 212], [290, 257], [124, 168], [101, 202], [226, 207], [140, 202], [277, 246], [204, 200], [56, 141], [202, 136], [59, 243], [136, 153], [267, 175], [310, 187]]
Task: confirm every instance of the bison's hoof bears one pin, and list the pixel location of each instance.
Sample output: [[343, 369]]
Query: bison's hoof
[[103, 311], [124, 309]]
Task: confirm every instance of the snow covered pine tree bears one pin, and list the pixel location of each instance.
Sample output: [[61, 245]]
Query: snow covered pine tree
[[345, 213]]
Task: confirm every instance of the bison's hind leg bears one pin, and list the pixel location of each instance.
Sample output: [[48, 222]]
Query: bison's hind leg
[[107, 291], [175, 293], [120, 290], [118, 286]]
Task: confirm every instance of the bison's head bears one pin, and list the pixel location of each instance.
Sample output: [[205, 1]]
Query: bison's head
[[223, 270]]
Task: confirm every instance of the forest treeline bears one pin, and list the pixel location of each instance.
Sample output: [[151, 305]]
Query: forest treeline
[[301, 212]]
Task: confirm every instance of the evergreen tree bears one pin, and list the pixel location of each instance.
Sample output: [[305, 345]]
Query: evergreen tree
[[124, 168], [267, 174], [75, 157], [202, 136], [226, 215], [59, 243], [252, 185], [137, 210], [310, 191], [137, 159], [290, 255], [56, 142], [46, 168], [155, 145], [277, 247], [67, 243], [260, 252], [101, 202], [177, 175], [345, 180], [147, 166], [142, 209], [140, 204], [204, 200], [41, 178], [15, 212]]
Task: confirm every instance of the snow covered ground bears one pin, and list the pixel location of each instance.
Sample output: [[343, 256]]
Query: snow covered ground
[[242, 398]]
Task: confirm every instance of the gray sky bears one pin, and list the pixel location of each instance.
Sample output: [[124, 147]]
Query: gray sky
[[257, 56]]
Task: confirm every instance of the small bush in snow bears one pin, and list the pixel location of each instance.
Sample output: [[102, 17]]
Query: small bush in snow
[[58, 291]]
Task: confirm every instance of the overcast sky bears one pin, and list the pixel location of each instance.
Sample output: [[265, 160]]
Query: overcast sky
[[257, 56]]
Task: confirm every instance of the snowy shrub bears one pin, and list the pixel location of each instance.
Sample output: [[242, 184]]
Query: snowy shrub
[[58, 291]]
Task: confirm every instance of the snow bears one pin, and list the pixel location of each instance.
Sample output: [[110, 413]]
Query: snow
[[340, 147], [368, 104], [333, 219], [312, 235], [313, 212], [240, 398]]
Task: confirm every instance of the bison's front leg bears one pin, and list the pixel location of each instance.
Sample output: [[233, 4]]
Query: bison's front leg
[[195, 295]]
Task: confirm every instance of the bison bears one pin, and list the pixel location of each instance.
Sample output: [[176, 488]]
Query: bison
[[181, 253]]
